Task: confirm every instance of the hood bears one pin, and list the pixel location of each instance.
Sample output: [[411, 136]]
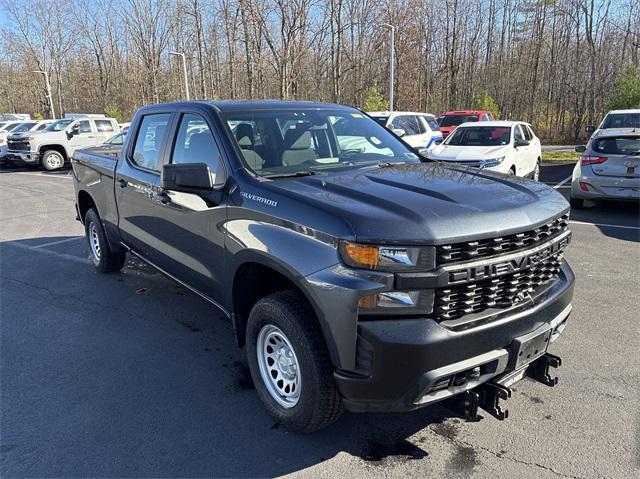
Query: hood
[[426, 203], [467, 153], [23, 134]]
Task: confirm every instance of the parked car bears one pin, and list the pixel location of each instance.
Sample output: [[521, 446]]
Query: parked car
[[419, 130], [19, 131], [616, 119], [609, 167], [5, 129], [509, 147], [124, 126], [52, 147], [20, 117], [451, 119], [364, 279]]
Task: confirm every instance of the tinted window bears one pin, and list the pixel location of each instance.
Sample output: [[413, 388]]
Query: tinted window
[[517, 133], [23, 127], [432, 122], [527, 133], [84, 126], [195, 143], [480, 136], [42, 127], [104, 125], [149, 140], [381, 119], [59, 125], [408, 123], [116, 139], [619, 145], [622, 120], [455, 120]]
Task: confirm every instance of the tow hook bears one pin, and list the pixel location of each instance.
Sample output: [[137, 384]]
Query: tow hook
[[539, 369], [486, 397]]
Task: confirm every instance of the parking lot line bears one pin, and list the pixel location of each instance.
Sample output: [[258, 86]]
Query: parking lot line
[[51, 243], [48, 252], [563, 182], [41, 175], [605, 225]]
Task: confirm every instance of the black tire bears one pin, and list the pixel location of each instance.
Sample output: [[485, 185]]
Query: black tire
[[52, 160], [576, 203], [104, 259], [319, 403]]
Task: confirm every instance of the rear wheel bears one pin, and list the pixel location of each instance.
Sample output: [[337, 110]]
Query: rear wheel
[[576, 203], [103, 258], [290, 364], [52, 160]]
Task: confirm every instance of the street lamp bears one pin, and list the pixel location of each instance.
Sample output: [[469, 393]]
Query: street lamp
[[392, 56], [46, 79], [184, 71]]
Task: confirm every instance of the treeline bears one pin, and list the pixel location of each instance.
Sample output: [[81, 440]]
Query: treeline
[[554, 63]]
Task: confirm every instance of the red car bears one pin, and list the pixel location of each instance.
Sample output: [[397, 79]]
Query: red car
[[451, 119]]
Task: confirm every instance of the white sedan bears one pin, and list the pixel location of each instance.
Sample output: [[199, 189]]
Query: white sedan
[[509, 147]]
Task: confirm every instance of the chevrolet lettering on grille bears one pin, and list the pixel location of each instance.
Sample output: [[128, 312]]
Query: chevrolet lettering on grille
[[517, 262]]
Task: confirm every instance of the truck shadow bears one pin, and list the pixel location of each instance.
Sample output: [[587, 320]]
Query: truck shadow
[[156, 371]]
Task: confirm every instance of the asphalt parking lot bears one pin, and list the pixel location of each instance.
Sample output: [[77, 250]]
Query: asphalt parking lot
[[130, 375]]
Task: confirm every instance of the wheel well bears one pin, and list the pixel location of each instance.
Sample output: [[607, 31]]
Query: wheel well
[[252, 282], [59, 148], [85, 202]]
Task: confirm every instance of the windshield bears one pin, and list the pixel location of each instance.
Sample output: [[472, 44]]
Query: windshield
[[455, 120], [116, 139], [622, 120], [480, 136], [288, 141], [23, 127], [10, 126], [59, 125], [618, 145]]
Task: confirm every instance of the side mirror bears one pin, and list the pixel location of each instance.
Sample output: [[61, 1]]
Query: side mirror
[[589, 129], [581, 148], [73, 131], [187, 178], [518, 143], [399, 131]]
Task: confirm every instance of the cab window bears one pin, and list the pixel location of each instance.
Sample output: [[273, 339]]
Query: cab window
[[149, 141], [195, 143], [104, 126]]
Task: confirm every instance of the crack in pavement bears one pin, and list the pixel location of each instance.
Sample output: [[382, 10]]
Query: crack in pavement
[[459, 442]]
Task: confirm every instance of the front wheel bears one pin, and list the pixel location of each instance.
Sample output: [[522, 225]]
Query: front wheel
[[104, 260], [52, 160], [290, 364]]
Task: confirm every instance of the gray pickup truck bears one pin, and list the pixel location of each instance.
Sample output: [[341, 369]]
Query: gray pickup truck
[[356, 274]]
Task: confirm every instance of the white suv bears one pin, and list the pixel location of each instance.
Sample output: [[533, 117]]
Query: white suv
[[616, 119], [508, 147], [419, 130]]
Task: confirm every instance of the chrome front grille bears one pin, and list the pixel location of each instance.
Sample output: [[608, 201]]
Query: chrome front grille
[[504, 291], [486, 248]]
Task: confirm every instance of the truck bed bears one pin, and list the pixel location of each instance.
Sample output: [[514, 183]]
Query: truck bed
[[95, 168]]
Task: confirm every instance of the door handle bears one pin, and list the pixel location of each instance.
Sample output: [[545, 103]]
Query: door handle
[[122, 183], [163, 197]]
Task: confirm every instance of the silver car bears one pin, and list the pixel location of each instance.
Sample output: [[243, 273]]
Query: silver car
[[609, 168]]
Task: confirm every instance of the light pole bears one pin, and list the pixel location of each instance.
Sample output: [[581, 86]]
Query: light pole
[[46, 79], [184, 71], [392, 60]]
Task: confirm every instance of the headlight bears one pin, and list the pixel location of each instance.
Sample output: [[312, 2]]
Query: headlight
[[492, 162], [388, 258]]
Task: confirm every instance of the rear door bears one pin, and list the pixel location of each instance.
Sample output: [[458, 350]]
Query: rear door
[[523, 153], [189, 227], [137, 182], [622, 155]]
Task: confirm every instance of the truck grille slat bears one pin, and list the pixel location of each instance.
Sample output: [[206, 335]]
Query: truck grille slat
[[454, 302], [18, 145], [486, 248]]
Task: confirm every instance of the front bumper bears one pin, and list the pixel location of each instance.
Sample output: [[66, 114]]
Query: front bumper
[[415, 362], [23, 156]]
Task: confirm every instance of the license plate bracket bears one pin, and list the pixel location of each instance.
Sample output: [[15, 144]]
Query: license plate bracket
[[526, 349]]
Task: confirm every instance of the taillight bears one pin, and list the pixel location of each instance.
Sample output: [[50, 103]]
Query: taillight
[[592, 160]]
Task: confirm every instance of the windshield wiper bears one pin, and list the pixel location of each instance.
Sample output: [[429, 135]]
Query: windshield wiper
[[388, 164], [291, 175]]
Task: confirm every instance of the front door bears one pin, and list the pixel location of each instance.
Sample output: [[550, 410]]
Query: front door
[[85, 137], [190, 227], [137, 181]]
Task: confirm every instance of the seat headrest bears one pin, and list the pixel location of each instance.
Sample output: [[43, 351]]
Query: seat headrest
[[297, 139], [244, 135]]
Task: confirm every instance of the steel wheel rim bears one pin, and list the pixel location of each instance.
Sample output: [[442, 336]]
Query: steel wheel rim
[[53, 161], [279, 366], [94, 241]]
